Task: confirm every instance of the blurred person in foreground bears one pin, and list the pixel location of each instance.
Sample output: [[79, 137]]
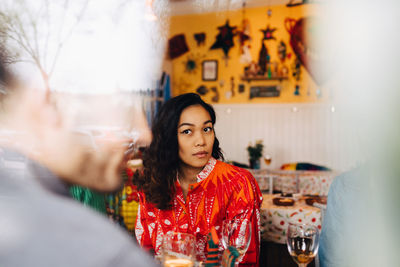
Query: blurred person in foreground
[[186, 188], [40, 225], [361, 225]]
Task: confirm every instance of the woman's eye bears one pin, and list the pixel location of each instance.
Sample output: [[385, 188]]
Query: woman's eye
[[187, 131], [208, 129]]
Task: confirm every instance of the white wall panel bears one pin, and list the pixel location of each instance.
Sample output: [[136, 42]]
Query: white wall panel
[[290, 133]]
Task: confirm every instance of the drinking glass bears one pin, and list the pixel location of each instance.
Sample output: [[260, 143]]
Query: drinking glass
[[178, 250], [267, 159], [302, 242], [236, 233]]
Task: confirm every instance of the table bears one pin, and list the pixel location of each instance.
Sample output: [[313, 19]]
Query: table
[[303, 182], [275, 219]]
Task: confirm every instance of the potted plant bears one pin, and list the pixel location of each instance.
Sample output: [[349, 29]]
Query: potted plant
[[255, 153]]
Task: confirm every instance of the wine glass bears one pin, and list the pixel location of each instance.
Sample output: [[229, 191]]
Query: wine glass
[[267, 159], [236, 233], [302, 242], [178, 249]]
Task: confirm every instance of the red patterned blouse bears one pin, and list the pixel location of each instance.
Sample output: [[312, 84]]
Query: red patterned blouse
[[222, 192]]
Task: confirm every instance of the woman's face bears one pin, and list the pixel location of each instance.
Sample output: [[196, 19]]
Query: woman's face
[[195, 136]]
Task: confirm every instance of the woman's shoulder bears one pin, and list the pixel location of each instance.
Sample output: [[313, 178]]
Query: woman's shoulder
[[232, 171]]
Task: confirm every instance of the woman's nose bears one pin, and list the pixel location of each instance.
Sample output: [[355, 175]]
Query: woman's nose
[[200, 140]]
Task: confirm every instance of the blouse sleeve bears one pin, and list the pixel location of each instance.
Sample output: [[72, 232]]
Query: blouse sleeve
[[141, 229], [244, 204]]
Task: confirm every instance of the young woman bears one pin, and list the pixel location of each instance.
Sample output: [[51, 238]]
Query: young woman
[[185, 188]]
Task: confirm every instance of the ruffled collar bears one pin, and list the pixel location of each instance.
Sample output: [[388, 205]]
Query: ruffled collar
[[206, 170]]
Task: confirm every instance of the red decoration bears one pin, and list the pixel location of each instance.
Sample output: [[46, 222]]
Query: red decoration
[[177, 46], [268, 33], [301, 45]]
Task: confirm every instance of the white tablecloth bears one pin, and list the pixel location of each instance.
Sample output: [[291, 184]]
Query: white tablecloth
[[304, 182], [275, 219]]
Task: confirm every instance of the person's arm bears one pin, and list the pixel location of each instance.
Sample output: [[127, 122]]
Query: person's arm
[[245, 205]]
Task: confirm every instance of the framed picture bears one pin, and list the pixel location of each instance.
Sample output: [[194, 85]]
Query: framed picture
[[210, 70]]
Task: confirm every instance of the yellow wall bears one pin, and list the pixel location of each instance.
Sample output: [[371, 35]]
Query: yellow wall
[[183, 82]]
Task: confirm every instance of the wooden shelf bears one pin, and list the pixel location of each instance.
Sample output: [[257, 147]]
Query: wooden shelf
[[263, 78]]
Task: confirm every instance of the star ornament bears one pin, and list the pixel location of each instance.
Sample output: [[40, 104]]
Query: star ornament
[[224, 39], [268, 33]]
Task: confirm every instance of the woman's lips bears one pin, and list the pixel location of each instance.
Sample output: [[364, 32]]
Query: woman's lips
[[201, 154]]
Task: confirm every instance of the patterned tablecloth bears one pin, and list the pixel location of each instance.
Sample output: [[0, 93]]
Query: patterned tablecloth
[[275, 219], [303, 182]]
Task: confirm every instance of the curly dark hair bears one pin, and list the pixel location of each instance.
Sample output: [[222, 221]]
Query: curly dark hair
[[161, 159]]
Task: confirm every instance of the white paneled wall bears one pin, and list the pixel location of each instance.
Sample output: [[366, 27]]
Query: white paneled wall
[[290, 133]]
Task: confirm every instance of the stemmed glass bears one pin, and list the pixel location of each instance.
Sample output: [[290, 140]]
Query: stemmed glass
[[236, 233], [267, 159], [178, 249], [302, 242]]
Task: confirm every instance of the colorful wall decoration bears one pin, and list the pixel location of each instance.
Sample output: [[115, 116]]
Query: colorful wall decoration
[[260, 66]]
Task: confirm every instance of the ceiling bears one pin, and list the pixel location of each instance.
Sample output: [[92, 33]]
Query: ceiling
[[183, 7]]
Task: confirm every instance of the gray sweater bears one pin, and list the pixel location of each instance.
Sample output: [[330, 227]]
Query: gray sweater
[[40, 225]]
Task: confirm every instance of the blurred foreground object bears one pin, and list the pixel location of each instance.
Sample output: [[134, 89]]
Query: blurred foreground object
[[366, 103]]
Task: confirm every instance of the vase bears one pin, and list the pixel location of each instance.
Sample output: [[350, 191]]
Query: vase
[[255, 164]]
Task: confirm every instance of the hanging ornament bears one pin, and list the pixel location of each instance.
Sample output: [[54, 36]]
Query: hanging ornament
[[202, 90], [269, 12], [215, 98], [267, 33], [297, 90], [245, 56], [301, 32], [200, 38], [244, 32], [282, 51], [192, 63], [233, 86], [296, 69], [224, 39], [241, 88], [228, 94], [263, 58], [177, 46], [244, 37]]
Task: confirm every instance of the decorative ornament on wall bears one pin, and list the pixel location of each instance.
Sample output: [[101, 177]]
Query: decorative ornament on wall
[[200, 38], [268, 33], [192, 63], [202, 90], [245, 56], [215, 98], [177, 46], [296, 69], [244, 38], [293, 3], [224, 39], [282, 51], [297, 90], [241, 88], [301, 32], [244, 32], [263, 58], [233, 86]]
